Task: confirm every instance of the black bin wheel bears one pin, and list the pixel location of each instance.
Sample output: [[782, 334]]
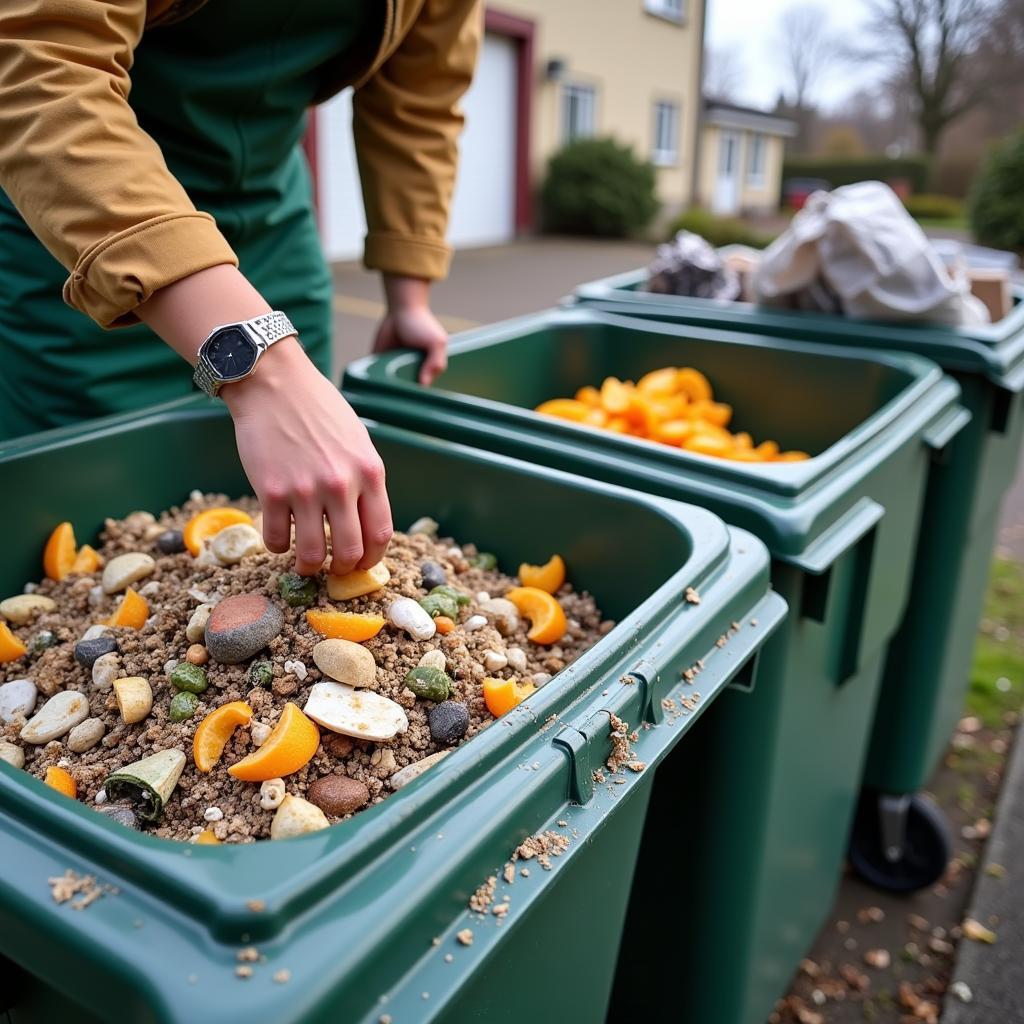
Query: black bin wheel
[[927, 846]]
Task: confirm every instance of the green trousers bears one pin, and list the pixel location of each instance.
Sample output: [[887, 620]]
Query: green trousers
[[224, 94]]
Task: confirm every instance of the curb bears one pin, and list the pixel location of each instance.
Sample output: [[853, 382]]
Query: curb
[[994, 974]]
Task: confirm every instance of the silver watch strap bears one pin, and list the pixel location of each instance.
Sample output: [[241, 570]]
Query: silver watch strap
[[271, 327], [204, 379]]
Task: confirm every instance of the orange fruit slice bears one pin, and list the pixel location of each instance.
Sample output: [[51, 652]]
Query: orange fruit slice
[[289, 747], [589, 395], [693, 384], [549, 576], [444, 625], [131, 612], [768, 450], [502, 695], [659, 382], [211, 521], [87, 560], [708, 444], [345, 625], [717, 413], [791, 457], [565, 409], [59, 553], [62, 781], [672, 432], [547, 620], [615, 396], [206, 838], [11, 648], [215, 730]]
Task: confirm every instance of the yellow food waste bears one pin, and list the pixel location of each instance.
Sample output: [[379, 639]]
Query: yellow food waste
[[673, 406]]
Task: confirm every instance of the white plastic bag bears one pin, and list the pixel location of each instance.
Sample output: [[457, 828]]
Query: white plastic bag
[[857, 251]]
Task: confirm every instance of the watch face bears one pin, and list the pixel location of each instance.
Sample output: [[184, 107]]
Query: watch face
[[231, 353]]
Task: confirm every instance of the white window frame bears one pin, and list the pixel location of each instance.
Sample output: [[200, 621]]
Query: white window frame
[[757, 146], [670, 10], [662, 155], [586, 102]]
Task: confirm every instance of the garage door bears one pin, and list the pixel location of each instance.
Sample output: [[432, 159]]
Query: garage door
[[483, 210]]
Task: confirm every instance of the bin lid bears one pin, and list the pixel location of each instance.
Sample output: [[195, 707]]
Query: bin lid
[[994, 351]]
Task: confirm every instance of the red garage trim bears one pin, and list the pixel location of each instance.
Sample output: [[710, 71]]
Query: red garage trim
[[522, 31]]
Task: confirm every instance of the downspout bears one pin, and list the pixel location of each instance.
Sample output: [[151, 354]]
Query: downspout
[[698, 120]]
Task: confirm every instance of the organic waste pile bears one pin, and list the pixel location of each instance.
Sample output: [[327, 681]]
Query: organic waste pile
[[181, 680], [673, 406]]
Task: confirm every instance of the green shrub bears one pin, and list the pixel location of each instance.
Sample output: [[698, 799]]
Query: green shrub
[[598, 187], [926, 206], [997, 199], [848, 169], [719, 230]]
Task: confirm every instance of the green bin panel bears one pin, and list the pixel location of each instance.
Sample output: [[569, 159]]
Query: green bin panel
[[841, 528], [928, 668], [363, 915]]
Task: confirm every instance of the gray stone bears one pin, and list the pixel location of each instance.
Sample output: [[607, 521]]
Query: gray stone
[[432, 575], [17, 699], [448, 722], [241, 626], [87, 651]]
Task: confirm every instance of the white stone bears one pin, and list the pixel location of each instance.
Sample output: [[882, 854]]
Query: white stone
[[272, 794], [213, 814], [298, 669], [494, 661], [517, 659], [123, 571], [105, 669], [482, 596], [296, 817], [260, 733], [541, 678], [413, 771], [346, 662], [405, 613], [454, 554], [151, 589], [25, 607], [195, 495], [383, 759], [12, 754], [207, 556], [95, 595], [170, 665], [504, 614], [96, 631], [474, 622], [59, 715], [199, 595], [362, 714], [236, 542], [424, 525], [17, 699], [30, 588], [101, 796], [195, 631], [434, 659], [86, 735]]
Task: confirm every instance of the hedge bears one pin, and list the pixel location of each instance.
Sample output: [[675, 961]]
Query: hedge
[[847, 170]]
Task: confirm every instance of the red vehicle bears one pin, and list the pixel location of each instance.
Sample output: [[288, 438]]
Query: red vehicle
[[796, 190]]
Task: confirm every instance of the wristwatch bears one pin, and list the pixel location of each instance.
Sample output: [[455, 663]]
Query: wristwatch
[[231, 351]]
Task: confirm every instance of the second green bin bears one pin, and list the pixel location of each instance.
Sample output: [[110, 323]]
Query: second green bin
[[779, 770]]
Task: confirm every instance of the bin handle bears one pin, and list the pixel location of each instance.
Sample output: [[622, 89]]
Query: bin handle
[[847, 531], [945, 428]]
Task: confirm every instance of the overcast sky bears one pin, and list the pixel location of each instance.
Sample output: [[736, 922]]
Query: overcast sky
[[750, 27]]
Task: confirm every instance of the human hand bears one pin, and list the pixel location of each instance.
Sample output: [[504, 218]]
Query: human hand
[[409, 323], [307, 455]]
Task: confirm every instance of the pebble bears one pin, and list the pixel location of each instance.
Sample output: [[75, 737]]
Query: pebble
[[424, 525], [345, 662], [93, 632], [474, 622], [260, 733], [383, 760], [454, 553], [213, 814], [432, 575], [962, 991], [86, 735], [495, 661], [170, 542], [121, 813], [12, 754], [197, 654], [359, 713], [24, 608], [296, 817], [503, 612], [299, 670], [101, 796], [105, 669], [448, 722], [541, 678], [124, 570], [183, 706], [201, 596], [170, 665], [87, 651], [30, 588], [272, 793], [337, 745], [17, 699], [405, 613], [429, 683], [189, 677], [43, 639], [95, 596], [151, 589], [517, 659], [236, 542], [338, 795], [482, 597], [241, 626], [413, 771], [58, 716], [434, 659], [196, 628]]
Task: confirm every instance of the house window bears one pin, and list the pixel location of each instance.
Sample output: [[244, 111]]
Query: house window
[[579, 104], [756, 160], [665, 151], [671, 10]]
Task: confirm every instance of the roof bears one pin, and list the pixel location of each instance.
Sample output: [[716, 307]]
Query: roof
[[732, 115]]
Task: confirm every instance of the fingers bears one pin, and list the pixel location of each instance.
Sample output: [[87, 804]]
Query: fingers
[[374, 516], [310, 544], [277, 524], [435, 363], [346, 536]]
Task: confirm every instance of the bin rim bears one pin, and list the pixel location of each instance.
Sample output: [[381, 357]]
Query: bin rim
[[214, 885], [994, 350]]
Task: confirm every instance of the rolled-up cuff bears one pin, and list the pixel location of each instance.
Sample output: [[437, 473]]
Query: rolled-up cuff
[[123, 271], [408, 255]]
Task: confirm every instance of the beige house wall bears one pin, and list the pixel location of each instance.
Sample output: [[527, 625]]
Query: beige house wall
[[632, 59], [753, 196]]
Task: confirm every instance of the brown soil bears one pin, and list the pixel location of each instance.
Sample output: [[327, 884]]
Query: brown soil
[[146, 652]]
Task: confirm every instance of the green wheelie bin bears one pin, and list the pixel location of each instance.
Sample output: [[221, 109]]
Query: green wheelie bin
[[900, 839], [366, 921], [778, 773]]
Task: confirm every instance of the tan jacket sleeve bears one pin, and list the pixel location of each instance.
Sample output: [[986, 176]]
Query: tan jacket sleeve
[[90, 183], [406, 123]]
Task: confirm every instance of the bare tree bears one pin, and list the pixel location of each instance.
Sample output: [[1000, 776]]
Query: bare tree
[[929, 45], [723, 73], [807, 47]]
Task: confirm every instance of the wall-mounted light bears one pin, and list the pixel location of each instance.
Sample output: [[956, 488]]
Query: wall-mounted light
[[555, 69]]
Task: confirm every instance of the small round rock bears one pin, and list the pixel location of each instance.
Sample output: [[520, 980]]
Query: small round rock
[[87, 651], [170, 542], [432, 575], [338, 795], [197, 654], [346, 662], [86, 735], [241, 626], [121, 813], [448, 722], [123, 571], [17, 699]]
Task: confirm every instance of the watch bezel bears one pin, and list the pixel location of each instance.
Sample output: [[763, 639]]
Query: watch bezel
[[250, 337]]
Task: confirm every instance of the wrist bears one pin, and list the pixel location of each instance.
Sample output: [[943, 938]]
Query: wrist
[[275, 372], [406, 293]]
